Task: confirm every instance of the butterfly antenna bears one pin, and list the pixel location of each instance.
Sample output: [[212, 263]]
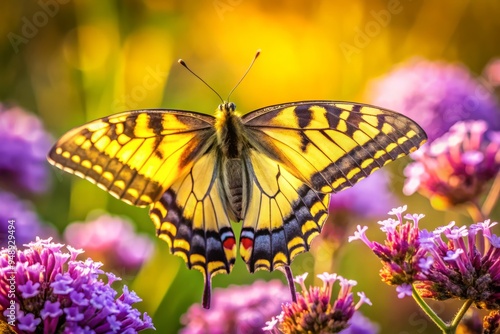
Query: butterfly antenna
[[183, 63], [244, 75]]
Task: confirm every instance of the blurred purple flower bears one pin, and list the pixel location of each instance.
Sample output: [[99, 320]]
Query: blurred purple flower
[[359, 324], [359, 200], [55, 293], [455, 168], [314, 313], [25, 143], [492, 72], [237, 309], [349, 206], [112, 240], [26, 225], [471, 323], [436, 95]]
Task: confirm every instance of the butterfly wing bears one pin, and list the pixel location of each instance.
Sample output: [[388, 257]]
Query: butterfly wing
[[282, 217], [303, 151], [192, 218], [135, 155], [332, 145]]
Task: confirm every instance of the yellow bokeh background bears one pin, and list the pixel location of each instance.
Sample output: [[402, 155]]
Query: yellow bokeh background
[[74, 61]]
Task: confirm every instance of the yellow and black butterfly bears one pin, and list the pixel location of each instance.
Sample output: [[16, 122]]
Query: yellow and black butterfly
[[272, 169]]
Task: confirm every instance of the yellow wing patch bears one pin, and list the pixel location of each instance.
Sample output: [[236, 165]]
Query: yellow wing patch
[[135, 156]]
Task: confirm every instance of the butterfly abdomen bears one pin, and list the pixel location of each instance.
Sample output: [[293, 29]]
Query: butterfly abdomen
[[233, 180]]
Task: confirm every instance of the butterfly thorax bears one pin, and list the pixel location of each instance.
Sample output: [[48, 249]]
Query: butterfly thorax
[[229, 128]]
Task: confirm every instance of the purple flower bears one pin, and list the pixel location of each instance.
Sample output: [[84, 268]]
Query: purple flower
[[466, 266], [112, 240], [314, 313], [455, 168], [237, 309], [25, 143], [404, 290], [401, 254], [436, 95], [28, 322], [39, 286], [25, 225], [52, 310]]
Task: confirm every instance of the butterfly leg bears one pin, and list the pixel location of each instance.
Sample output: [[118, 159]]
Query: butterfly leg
[[291, 284]]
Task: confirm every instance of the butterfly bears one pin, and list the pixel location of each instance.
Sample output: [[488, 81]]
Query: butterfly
[[272, 169]]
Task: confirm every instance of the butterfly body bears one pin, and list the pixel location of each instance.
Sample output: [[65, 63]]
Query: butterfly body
[[231, 148], [272, 169]]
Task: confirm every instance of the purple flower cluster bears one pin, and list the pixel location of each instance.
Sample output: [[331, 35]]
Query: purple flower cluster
[[403, 260], [25, 143], [237, 309], [455, 168], [46, 290], [26, 224], [112, 240], [313, 311], [465, 266], [436, 95]]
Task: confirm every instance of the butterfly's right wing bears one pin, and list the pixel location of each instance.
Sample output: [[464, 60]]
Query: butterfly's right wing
[[135, 155], [332, 145]]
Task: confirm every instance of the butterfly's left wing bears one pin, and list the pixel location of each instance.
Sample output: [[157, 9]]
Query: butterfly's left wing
[[135, 155], [192, 218], [301, 152]]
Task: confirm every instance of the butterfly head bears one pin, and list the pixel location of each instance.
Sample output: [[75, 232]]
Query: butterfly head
[[226, 111], [227, 107]]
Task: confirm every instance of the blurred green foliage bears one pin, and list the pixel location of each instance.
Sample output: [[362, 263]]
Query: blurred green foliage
[[74, 61]]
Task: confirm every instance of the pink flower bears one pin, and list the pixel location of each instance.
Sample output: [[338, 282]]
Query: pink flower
[[112, 240]]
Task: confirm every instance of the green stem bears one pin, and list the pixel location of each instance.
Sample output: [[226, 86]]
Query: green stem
[[460, 315], [429, 311], [447, 329]]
